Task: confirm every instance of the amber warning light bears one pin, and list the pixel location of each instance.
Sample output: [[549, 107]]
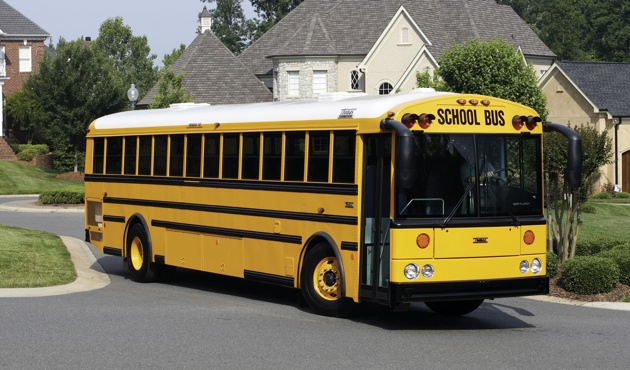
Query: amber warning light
[[424, 120]]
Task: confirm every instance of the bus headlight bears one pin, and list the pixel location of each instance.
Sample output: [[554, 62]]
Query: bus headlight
[[427, 271], [524, 267], [536, 265], [412, 271]]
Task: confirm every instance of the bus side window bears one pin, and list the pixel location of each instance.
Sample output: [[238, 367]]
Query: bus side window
[[318, 152], [193, 155], [344, 156], [230, 156], [251, 156], [294, 156], [272, 156], [114, 156], [130, 155], [176, 164], [144, 155], [159, 155], [98, 155], [211, 156]]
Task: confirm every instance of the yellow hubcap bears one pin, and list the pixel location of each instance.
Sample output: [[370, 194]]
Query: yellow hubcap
[[137, 253], [326, 278]]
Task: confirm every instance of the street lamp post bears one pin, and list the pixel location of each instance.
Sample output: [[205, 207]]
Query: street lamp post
[[132, 94]]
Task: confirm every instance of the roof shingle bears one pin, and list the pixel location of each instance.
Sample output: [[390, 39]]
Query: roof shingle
[[13, 22]]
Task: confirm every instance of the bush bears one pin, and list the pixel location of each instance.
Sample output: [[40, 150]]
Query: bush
[[591, 247], [26, 152], [64, 161], [620, 256], [602, 196], [587, 208], [622, 195], [62, 196], [552, 264], [589, 275]]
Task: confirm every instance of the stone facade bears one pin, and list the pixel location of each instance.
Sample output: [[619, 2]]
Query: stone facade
[[305, 68]]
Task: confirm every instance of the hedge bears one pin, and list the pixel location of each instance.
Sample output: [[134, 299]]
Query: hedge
[[621, 257], [589, 275], [62, 196]]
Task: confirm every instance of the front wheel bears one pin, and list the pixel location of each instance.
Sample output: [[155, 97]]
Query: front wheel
[[321, 283], [454, 308], [139, 256]]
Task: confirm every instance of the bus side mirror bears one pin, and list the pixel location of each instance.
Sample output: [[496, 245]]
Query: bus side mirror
[[573, 173], [405, 168]]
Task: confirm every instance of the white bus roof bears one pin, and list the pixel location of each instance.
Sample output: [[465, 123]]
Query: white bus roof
[[331, 107]]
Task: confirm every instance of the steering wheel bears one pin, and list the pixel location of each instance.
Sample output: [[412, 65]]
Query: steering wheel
[[511, 174]]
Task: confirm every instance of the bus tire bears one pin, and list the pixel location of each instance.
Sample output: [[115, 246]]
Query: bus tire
[[321, 283], [454, 308], [139, 256]]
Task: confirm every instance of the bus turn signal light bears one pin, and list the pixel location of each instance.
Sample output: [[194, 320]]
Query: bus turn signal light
[[529, 237], [423, 240]]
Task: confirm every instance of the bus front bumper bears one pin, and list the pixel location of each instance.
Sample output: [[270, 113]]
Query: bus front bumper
[[465, 290]]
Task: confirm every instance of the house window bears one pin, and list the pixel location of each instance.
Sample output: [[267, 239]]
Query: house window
[[385, 88], [354, 80], [319, 82], [404, 35], [25, 59], [294, 83], [3, 62]]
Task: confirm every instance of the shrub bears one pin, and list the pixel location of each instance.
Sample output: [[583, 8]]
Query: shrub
[[620, 256], [587, 208], [62, 196], [64, 161], [622, 195], [590, 247], [602, 196], [26, 152], [589, 275], [552, 264]]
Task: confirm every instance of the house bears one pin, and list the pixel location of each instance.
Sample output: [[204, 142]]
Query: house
[[594, 93], [212, 74], [377, 46], [21, 50]]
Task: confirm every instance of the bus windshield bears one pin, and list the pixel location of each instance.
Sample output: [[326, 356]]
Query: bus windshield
[[465, 175]]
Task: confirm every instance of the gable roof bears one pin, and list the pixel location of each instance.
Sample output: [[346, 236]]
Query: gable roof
[[352, 27], [214, 75], [605, 84], [14, 23]]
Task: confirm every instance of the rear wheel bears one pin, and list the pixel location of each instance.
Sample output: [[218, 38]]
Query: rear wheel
[[139, 256], [454, 308], [321, 283]]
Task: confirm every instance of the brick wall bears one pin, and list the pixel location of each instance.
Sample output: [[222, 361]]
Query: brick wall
[[12, 56]]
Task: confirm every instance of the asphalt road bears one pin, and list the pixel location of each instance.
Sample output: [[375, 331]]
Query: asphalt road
[[199, 321]]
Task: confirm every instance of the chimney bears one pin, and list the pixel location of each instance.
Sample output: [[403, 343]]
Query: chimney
[[205, 19]]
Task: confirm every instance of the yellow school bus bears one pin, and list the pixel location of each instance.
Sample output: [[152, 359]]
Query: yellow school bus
[[420, 197]]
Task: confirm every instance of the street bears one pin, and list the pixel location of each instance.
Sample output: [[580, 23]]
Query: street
[[201, 320]]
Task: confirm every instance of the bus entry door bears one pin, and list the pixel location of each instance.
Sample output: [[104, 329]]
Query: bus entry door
[[375, 219]]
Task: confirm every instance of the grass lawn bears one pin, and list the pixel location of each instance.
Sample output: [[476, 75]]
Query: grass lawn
[[610, 221], [30, 259], [17, 178]]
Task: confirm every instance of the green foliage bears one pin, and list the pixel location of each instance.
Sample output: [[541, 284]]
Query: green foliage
[[26, 152], [552, 264], [170, 90], [428, 80], [589, 275], [270, 12], [129, 55], [603, 196], [621, 195], [620, 256], [591, 247], [588, 208], [229, 24], [66, 160], [19, 108], [170, 59], [491, 68], [62, 196]]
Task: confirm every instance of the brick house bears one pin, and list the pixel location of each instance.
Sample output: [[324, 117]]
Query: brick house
[[21, 50]]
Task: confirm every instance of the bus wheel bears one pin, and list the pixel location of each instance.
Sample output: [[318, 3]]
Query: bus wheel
[[321, 282], [139, 256], [454, 308]]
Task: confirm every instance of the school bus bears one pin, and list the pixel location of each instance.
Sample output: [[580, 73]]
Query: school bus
[[420, 197]]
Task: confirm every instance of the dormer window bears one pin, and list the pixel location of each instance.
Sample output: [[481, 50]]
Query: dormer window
[[404, 35]]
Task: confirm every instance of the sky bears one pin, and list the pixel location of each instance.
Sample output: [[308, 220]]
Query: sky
[[165, 23]]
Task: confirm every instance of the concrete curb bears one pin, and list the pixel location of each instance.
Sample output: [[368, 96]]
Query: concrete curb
[[90, 274], [31, 205]]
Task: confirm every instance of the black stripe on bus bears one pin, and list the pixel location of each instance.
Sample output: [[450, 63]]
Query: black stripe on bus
[[345, 220], [112, 251], [268, 278], [296, 187], [349, 246], [293, 239], [110, 218]]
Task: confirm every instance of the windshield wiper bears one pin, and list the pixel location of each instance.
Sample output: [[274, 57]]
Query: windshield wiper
[[459, 203]]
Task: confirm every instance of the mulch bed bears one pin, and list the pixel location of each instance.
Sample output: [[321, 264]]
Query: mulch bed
[[616, 295]]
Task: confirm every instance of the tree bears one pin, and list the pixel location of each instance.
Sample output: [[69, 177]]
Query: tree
[[170, 90], [129, 55], [170, 59], [491, 68], [563, 203], [229, 24], [271, 12], [72, 88], [19, 109]]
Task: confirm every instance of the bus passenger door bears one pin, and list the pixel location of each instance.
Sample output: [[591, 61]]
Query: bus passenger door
[[375, 219]]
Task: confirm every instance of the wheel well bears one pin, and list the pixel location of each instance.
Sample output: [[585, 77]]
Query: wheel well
[[332, 247], [133, 220]]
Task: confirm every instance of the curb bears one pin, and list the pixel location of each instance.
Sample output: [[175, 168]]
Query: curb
[[31, 206], [90, 274]]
